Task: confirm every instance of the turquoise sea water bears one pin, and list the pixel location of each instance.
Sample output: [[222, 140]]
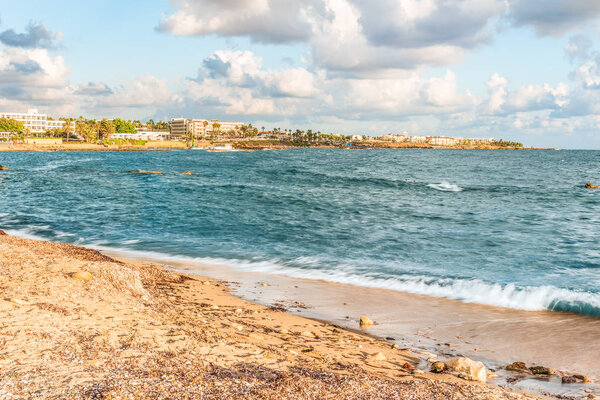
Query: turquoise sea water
[[507, 228]]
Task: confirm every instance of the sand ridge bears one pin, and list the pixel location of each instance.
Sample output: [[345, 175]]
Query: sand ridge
[[137, 330]]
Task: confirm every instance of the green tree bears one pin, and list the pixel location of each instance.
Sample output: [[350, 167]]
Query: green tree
[[11, 125], [105, 129], [122, 126]]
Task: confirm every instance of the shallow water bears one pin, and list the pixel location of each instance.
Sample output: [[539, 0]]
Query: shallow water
[[507, 228]]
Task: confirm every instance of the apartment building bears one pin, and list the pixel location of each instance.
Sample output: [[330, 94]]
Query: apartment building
[[442, 140], [35, 123]]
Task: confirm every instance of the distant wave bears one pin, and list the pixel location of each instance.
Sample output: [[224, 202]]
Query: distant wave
[[446, 187]]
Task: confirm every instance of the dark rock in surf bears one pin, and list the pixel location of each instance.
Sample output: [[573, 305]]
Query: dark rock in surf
[[539, 370], [590, 186]]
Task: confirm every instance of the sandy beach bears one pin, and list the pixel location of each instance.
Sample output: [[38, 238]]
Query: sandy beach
[[79, 324]]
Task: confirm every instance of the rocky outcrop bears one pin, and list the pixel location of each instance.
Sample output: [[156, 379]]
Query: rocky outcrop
[[467, 369], [590, 186]]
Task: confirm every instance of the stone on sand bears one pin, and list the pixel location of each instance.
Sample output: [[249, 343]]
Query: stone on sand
[[518, 366], [472, 370], [438, 367], [2, 233], [365, 322], [377, 357], [82, 275]]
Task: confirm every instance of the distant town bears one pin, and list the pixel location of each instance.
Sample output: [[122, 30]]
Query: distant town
[[36, 129]]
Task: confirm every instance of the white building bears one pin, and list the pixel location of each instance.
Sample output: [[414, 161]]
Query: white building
[[36, 123], [442, 140], [357, 137], [143, 135], [181, 127]]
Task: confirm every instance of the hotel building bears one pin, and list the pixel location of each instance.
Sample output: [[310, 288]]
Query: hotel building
[[35, 123], [182, 127]]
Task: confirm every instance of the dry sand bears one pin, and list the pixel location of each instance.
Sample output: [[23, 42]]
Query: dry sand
[[137, 331]]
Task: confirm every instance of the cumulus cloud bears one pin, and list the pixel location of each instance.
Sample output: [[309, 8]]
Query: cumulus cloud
[[35, 36], [553, 17], [268, 21]]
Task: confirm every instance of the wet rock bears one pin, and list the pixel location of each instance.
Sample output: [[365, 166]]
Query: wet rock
[[472, 370], [82, 275], [3, 168], [575, 379], [408, 366], [187, 173], [365, 322], [2, 233], [590, 186], [519, 366], [438, 367], [539, 370]]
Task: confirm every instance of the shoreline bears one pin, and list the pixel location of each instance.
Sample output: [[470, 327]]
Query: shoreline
[[426, 324], [78, 323]]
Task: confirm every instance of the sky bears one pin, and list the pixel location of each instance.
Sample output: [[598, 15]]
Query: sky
[[524, 70]]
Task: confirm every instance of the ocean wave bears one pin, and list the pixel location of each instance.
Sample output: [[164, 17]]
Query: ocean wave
[[445, 187], [528, 298]]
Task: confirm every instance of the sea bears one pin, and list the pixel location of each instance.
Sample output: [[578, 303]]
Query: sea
[[513, 229]]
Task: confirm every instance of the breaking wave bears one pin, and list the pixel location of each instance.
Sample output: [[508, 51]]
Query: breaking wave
[[445, 187]]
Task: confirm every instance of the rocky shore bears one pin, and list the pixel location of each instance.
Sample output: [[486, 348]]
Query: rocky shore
[[78, 324]]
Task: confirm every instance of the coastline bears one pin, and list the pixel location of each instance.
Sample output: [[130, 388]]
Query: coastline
[[77, 323]]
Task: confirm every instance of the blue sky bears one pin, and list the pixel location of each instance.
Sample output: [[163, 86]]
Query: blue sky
[[518, 69]]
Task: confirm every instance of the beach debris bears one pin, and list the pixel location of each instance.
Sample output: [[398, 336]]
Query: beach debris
[[438, 367], [82, 275], [467, 369], [376, 357], [576, 379], [264, 284], [539, 370], [590, 186], [365, 322]]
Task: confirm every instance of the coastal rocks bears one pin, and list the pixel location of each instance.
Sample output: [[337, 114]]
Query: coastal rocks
[[590, 186], [539, 370], [438, 367], [576, 379], [3, 168], [518, 366], [82, 275], [408, 366], [365, 322], [468, 369]]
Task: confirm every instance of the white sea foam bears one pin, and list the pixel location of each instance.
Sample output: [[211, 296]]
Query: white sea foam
[[446, 187], [467, 290]]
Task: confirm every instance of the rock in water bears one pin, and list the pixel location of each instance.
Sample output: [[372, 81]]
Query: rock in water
[[187, 173], [3, 168], [538, 370], [438, 367], [590, 186], [365, 322], [472, 370], [518, 366], [82, 275]]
